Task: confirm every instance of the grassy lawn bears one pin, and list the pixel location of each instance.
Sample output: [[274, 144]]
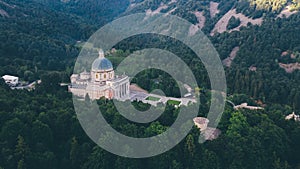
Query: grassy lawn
[[173, 102], [152, 98]]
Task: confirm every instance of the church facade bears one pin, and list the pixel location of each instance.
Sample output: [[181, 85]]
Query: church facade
[[101, 81]]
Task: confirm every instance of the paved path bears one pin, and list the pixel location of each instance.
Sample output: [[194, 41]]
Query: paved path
[[29, 86], [141, 96]]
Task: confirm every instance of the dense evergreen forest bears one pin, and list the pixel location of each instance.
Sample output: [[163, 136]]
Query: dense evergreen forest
[[39, 128]]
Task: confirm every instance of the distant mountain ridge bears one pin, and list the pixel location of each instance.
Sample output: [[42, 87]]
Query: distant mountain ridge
[[212, 12]]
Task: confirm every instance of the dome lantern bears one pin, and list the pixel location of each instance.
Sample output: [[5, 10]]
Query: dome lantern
[[101, 53]]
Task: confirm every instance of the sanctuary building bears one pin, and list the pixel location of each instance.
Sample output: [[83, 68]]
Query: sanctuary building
[[100, 82]]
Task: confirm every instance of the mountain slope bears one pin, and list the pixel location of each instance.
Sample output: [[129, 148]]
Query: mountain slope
[[35, 37], [96, 12], [250, 11]]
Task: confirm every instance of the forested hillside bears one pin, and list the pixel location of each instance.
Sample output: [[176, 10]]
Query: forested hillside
[[94, 12], [40, 35], [256, 69], [35, 38], [260, 39], [39, 129]]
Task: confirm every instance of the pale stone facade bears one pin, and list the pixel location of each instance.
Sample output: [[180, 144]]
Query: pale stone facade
[[100, 82]]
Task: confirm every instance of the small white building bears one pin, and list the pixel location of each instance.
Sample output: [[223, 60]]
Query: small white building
[[11, 80], [293, 116]]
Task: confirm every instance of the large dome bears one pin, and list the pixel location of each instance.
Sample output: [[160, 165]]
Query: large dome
[[102, 64]]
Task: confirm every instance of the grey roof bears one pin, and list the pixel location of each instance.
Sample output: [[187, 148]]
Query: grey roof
[[78, 86], [102, 64]]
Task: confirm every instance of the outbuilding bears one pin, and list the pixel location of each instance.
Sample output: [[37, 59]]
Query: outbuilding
[[11, 80]]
